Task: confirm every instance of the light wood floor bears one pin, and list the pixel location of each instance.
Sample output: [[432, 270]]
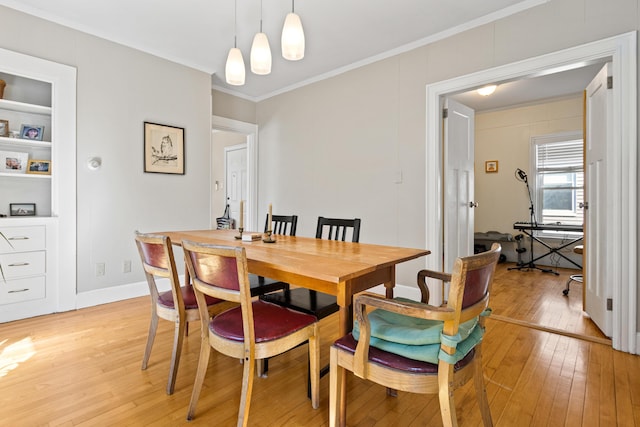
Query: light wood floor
[[83, 369]]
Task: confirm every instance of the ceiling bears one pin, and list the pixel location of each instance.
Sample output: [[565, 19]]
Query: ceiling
[[340, 35], [531, 90]]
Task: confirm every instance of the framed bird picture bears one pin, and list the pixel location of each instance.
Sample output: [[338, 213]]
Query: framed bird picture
[[163, 149]]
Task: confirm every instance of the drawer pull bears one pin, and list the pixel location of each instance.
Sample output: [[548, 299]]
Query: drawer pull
[[18, 238], [18, 264], [15, 291]]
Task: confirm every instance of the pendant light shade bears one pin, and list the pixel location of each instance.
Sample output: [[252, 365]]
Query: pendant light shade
[[234, 70], [260, 55], [292, 38]]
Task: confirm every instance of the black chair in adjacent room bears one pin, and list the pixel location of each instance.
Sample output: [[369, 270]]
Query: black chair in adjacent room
[[283, 225], [309, 301]]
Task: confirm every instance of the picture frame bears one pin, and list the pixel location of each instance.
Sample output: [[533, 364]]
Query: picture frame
[[13, 162], [39, 167], [32, 132], [22, 209], [4, 128], [163, 149], [491, 166]]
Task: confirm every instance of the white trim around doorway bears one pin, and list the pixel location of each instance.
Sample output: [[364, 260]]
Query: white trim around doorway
[[622, 264]]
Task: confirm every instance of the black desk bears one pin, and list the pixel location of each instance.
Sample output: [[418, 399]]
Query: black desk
[[528, 229]]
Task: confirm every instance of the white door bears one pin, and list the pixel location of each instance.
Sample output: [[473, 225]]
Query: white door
[[236, 178], [597, 286], [459, 203]]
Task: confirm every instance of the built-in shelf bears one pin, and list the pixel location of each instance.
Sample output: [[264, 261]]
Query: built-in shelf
[[25, 175], [18, 142], [24, 108]]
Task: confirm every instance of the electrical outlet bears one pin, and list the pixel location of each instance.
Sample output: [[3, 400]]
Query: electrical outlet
[[126, 266], [99, 269]]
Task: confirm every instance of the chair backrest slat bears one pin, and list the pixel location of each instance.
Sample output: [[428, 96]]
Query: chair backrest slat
[[337, 229], [156, 254], [472, 277], [282, 224]]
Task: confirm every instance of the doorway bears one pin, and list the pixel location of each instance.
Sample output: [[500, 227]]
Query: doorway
[[621, 51], [234, 132]]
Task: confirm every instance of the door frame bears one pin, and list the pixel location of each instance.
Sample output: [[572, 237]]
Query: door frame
[[621, 51], [250, 130]]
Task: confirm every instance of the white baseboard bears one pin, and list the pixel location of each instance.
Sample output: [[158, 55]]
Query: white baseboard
[[118, 293]]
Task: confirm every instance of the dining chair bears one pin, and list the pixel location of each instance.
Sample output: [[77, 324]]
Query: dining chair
[[283, 225], [309, 301], [416, 347], [177, 305], [313, 302], [254, 329]]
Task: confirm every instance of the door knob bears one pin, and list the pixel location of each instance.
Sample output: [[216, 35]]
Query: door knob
[[473, 204], [584, 205]]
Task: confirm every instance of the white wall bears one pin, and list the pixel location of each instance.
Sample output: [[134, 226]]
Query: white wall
[[119, 88]]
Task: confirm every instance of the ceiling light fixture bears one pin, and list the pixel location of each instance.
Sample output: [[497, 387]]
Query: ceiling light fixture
[[234, 69], [260, 51], [487, 90], [292, 36]]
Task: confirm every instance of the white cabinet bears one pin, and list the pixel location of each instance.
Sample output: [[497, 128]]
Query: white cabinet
[[26, 268], [37, 252]]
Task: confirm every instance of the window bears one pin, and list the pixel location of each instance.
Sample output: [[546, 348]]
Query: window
[[559, 178]]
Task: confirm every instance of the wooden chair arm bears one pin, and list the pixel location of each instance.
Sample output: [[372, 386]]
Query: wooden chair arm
[[422, 284], [408, 308], [413, 309]]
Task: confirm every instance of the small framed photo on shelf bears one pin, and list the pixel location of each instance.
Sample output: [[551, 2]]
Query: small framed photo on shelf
[[12, 162], [33, 132], [491, 166], [163, 149], [4, 127], [41, 167], [22, 209]]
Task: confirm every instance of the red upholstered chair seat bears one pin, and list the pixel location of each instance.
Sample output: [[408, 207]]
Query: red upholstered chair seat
[[275, 322], [395, 361], [165, 299]]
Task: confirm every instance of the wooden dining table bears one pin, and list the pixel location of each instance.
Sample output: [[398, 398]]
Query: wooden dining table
[[333, 267]]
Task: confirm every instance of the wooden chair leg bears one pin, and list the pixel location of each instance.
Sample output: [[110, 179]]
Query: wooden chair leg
[[261, 367], [445, 394], [153, 326], [337, 409], [178, 339], [481, 392], [314, 368], [248, 369], [203, 363]]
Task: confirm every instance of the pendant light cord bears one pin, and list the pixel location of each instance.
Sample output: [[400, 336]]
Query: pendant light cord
[[235, 23]]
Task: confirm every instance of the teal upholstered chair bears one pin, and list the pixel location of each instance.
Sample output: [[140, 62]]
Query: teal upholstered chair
[[416, 347]]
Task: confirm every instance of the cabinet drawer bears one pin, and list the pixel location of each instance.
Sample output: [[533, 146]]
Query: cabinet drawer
[[22, 290], [18, 239], [22, 264]]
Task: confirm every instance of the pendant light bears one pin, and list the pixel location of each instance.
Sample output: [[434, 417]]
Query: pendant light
[[260, 51], [292, 36], [234, 69]]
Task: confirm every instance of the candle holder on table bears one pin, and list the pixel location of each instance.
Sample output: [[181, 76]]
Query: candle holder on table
[[269, 238], [239, 236]]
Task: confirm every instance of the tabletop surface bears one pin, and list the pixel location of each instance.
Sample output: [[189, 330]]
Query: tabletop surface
[[328, 260]]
